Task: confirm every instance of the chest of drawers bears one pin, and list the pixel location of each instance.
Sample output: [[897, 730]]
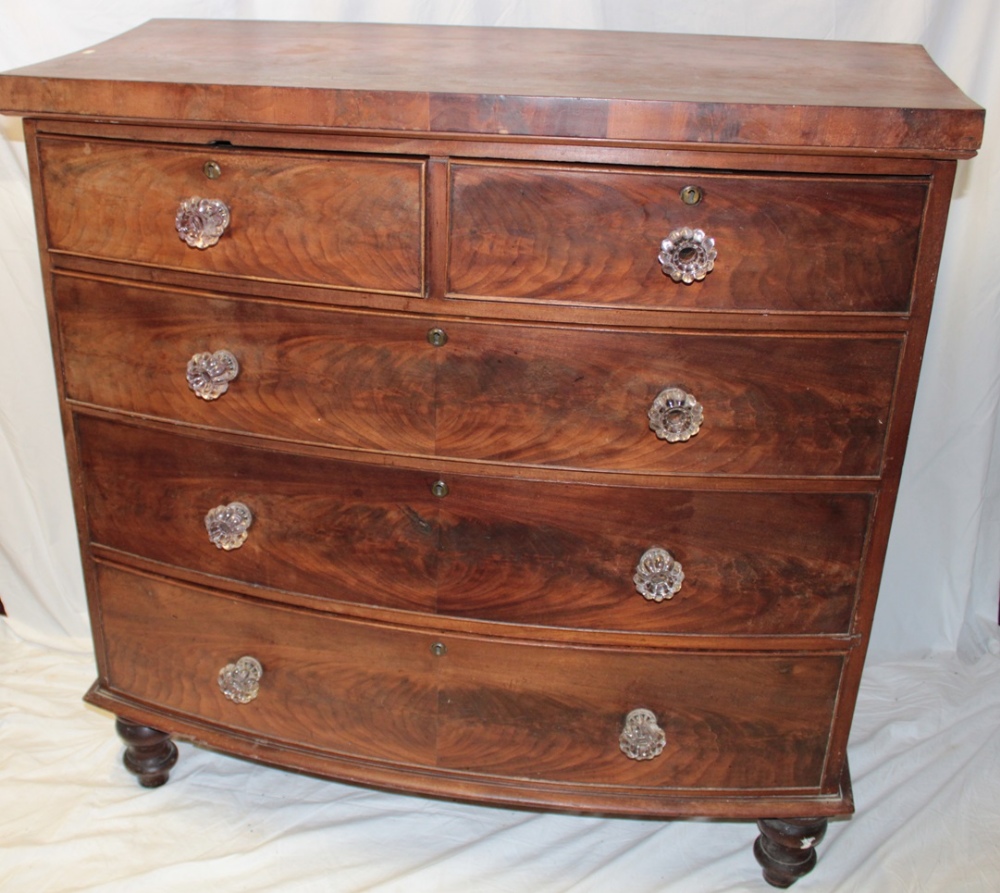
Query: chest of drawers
[[521, 433]]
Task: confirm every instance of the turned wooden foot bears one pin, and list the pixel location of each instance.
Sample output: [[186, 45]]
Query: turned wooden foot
[[149, 754], [786, 848]]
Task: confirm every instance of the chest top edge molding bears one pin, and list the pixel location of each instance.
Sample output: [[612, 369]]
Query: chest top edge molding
[[510, 82]]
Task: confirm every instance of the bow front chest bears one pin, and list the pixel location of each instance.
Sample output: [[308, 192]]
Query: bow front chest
[[505, 415]]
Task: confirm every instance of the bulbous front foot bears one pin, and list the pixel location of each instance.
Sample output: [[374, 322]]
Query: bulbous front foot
[[149, 753], [785, 848]]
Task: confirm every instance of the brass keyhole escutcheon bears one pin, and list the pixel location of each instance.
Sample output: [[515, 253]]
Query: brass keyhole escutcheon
[[212, 170], [439, 649], [691, 195], [437, 337], [439, 489]]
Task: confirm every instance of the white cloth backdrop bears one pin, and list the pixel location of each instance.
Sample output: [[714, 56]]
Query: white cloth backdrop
[[936, 638]]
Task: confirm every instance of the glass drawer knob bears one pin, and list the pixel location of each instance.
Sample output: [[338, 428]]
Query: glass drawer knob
[[687, 255], [227, 525], [641, 737], [658, 575], [209, 374], [675, 415], [240, 681], [201, 221]]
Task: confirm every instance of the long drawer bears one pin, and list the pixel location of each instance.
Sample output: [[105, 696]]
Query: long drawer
[[458, 704], [593, 236], [339, 221], [481, 547], [782, 405]]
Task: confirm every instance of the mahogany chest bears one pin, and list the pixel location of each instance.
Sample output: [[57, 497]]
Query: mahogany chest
[[506, 415]]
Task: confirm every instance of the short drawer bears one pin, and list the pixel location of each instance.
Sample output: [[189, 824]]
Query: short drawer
[[593, 235], [496, 549], [542, 395], [471, 706], [332, 220]]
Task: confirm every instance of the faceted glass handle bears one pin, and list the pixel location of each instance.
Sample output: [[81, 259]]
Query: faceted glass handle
[[641, 737], [201, 221], [227, 525], [675, 415], [209, 374], [658, 575], [687, 255], [240, 681]]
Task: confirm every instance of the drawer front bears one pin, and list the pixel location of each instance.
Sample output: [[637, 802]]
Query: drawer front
[[592, 236], [336, 221], [481, 707], [522, 394], [515, 551]]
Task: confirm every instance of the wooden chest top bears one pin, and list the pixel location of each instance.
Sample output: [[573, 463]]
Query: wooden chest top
[[798, 94]]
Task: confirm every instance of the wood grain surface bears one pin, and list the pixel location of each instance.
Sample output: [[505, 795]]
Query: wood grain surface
[[579, 397], [516, 551], [591, 236], [732, 721], [343, 687], [351, 379], [513, 393], [338, 221], [483, 706], [808, 94]]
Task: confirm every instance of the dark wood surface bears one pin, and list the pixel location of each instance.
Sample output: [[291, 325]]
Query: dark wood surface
[[785, 243], [483, 706], [347, 222], [517, 394], [347, 379], [587, 84], [515, 551]]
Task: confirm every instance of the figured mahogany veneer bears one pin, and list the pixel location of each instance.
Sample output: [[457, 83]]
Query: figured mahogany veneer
[[520, 394], [404, 545], [326, 689], [811, 244], [495, 548], [337, 221]]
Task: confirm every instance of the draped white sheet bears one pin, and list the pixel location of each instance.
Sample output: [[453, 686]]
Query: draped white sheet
[[939, 593]]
